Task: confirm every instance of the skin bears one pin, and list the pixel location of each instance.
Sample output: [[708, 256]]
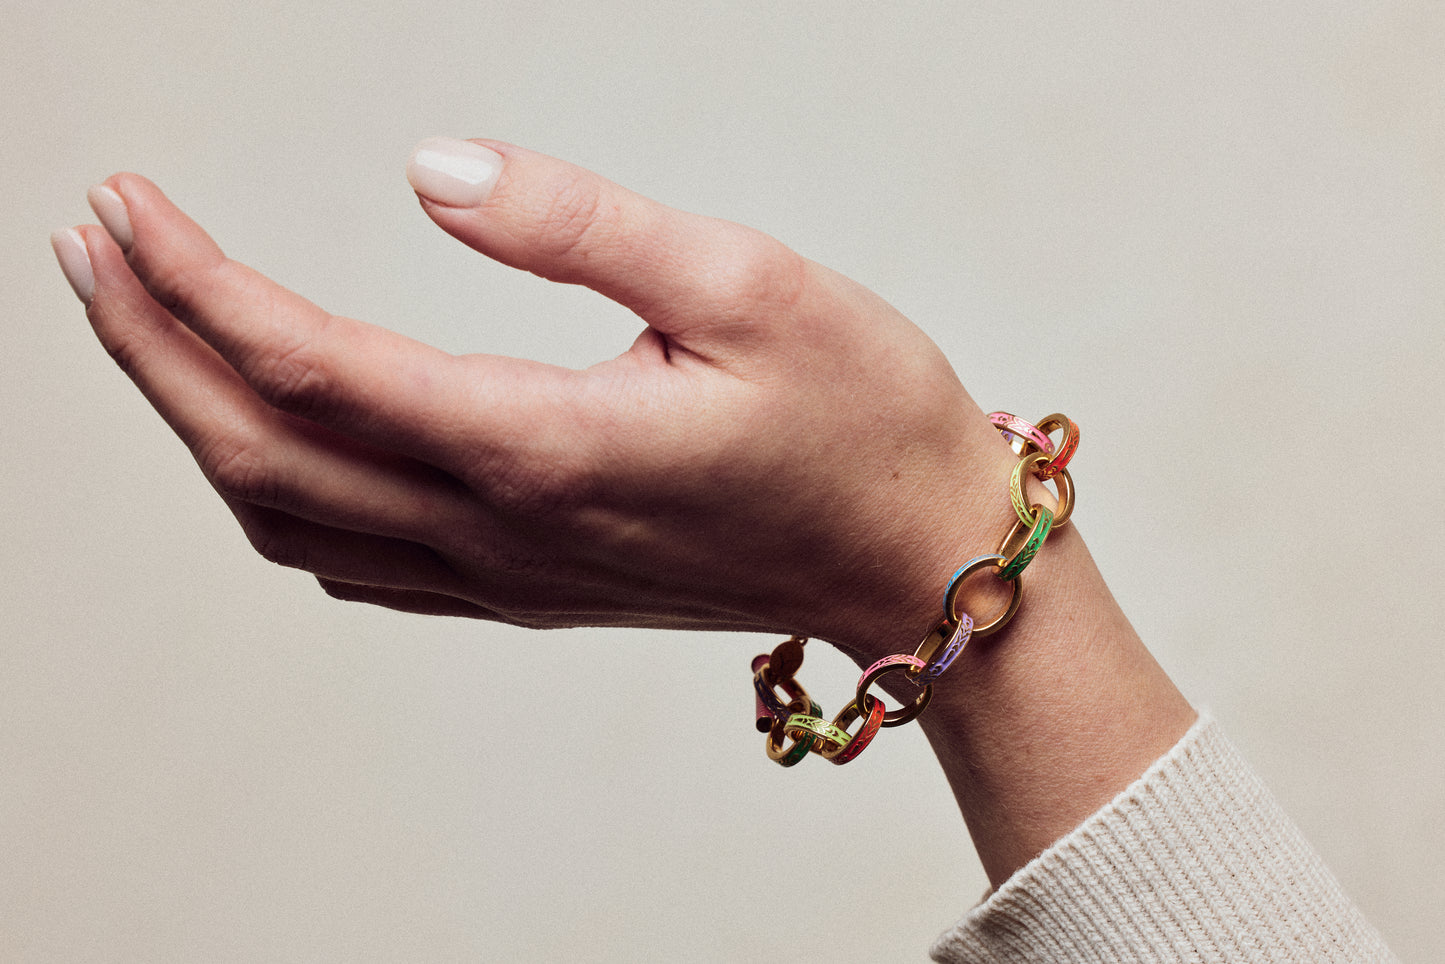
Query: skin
[[780, 451]]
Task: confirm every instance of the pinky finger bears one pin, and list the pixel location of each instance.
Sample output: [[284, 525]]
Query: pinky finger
[[415, 601], [328, 552]]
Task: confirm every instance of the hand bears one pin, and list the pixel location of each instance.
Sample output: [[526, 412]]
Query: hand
[[780, 450]]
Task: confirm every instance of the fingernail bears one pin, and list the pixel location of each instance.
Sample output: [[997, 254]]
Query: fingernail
[[109, 206], [456, 173], [75, 263]]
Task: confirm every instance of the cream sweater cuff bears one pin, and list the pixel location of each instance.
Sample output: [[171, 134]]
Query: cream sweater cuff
[[1193, 862]]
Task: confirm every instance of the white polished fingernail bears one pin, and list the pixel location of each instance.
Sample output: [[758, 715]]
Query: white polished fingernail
[[75, 263], [456, 173], [109, 206]]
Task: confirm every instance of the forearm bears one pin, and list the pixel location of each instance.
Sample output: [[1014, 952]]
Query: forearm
[[1039, 726]]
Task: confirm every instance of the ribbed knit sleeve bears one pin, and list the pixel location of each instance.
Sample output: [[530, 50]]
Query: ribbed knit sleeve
[[1194, 862]]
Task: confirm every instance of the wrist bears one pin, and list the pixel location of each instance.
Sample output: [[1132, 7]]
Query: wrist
[[1041, 723], [953, 510]]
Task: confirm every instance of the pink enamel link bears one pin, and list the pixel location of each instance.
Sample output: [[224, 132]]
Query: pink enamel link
[[898, 661], [1015, 428]]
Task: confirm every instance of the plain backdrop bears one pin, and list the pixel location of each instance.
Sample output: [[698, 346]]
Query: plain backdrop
[[1213, 234]]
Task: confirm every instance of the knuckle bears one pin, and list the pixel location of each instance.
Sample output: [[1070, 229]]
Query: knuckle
[[519, 620], [131, 334], [292, 376], [530, 617], [277, 547], [542, 621], [180, 285], [534, 494], [295, 380], [343, 591], [572, 216], [128, 352], [239, 472], [758, 274]]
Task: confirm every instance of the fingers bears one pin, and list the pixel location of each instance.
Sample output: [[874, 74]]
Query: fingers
[[251, 452], [677, 271], [358, 379]]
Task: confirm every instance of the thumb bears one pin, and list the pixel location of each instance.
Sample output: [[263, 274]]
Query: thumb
[[675, 270]]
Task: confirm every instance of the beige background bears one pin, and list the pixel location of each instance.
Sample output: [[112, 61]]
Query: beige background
[[1212, 233]]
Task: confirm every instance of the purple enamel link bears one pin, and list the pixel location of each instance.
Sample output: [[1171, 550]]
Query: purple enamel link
[[1011, 425], [939, 664], [768, 701]]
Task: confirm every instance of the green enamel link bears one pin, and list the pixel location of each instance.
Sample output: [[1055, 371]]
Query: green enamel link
[[803, 724], [1016, 486], [802, 745], [1040, 531]]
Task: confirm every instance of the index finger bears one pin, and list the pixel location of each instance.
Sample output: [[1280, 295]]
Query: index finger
[[359, 379]]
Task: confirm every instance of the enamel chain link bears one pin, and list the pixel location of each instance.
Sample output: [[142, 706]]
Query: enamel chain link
[[795, 723]]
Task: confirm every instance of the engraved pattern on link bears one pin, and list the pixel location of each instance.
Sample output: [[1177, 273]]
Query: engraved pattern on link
[[871, 725], [769, 696], [1021, 561], [906, 659], [940, 663], [1067, 448], [1031, 548], [818, 727], [1010, 425]]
